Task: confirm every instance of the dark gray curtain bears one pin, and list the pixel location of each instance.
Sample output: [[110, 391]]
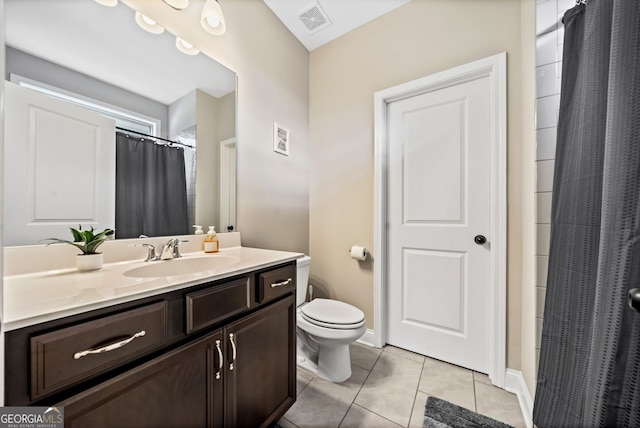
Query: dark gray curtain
[[589, 372], [151, 195]]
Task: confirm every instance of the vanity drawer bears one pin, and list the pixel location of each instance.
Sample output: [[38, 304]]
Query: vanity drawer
[[214, 304], [276, 282], [69, 355]]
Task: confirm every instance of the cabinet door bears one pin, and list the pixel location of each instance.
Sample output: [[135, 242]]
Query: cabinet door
[[260, 381], [179, 389]]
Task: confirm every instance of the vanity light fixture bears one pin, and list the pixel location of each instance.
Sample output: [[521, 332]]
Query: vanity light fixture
[[186, 47], [109, 3], [148, 24], [177, 4], [212, 19]]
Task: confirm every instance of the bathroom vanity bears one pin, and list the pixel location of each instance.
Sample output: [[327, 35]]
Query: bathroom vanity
[[208, 349]]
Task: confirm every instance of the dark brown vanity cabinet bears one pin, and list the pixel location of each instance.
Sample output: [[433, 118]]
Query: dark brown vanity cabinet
[[260, 380], [177, 389], [211, 356]]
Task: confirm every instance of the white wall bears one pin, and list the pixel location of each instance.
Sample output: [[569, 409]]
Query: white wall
[[525, 382]]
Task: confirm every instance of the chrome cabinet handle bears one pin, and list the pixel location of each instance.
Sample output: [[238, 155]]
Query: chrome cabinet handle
[[634, 299], [109, 347], [233, 349], [220, 359], [281, 284]]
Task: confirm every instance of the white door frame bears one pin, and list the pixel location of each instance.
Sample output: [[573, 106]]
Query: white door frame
[[495, 69]]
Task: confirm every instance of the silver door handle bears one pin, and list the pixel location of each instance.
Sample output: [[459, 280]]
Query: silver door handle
[[109, 347], [233, 351], [281, 284], [220, 359]]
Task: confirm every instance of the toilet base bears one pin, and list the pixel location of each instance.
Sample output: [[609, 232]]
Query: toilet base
[[333, 363]]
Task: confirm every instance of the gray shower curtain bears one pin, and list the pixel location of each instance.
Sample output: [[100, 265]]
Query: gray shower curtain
[[589, 372], [151, 195]]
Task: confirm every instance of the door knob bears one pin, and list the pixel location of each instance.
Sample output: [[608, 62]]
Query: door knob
[[634, 299], [229, 228], [480, 239]]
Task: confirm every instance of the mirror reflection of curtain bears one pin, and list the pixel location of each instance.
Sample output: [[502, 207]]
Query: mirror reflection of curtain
[[151, 195]]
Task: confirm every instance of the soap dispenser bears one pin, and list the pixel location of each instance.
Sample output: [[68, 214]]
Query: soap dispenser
[[198, 229], [211, 243]]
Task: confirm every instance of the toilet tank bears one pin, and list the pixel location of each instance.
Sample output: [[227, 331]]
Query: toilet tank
[[303, 267]]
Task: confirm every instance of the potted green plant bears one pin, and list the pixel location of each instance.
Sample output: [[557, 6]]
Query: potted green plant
[[88, 242]]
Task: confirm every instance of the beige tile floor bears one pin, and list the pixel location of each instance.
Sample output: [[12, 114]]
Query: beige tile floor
[[389, 388]]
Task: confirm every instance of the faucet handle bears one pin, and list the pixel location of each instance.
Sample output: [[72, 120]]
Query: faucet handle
[[176, 247], [151, 254]]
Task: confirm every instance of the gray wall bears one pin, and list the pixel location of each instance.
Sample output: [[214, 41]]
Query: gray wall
[[26, 65]]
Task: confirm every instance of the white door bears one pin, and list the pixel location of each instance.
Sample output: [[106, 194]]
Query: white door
[[439, 200], [228, 185], [59, 160]]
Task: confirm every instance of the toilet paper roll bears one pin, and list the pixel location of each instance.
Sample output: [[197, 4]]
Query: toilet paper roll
[[358, 252]]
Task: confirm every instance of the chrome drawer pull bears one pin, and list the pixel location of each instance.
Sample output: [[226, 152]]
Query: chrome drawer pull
[[221, 363], [108, 348], [233, 348], [281, 284]]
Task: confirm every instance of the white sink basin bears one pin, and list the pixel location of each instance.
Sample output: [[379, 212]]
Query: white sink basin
[[182, 266]]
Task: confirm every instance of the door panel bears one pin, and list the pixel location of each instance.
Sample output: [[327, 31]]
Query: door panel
[[61, 160], [434, 179], [440, 274], [439, 198]]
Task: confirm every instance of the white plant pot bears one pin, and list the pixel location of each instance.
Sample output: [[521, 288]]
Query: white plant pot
[[85, 262]]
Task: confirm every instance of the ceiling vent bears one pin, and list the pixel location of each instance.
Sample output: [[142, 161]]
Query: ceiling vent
[[314, 18]]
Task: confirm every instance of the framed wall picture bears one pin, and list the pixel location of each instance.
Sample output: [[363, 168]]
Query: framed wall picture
[[280, 139]]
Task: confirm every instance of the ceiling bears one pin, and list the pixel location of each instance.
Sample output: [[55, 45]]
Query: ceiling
[[343, 16]]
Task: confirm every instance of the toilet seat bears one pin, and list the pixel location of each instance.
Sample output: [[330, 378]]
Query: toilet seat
[[332, 314]]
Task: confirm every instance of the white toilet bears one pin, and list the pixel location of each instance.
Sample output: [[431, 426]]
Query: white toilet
[[325, 330]]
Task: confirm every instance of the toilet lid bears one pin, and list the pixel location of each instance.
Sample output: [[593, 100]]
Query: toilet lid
[[333, 314]]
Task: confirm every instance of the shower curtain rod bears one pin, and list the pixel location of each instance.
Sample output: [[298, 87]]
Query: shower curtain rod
[[154, 137]]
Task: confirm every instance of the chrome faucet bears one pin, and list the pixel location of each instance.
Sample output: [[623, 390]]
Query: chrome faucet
[[172, 246]]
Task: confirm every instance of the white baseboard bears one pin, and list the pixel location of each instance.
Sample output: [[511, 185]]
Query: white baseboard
[[515, 383], [368, 338]]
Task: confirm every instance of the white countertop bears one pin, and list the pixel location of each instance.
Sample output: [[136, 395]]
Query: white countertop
[[34, 298]]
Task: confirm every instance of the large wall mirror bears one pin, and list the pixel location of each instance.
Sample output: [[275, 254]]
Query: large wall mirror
[[84, 84]]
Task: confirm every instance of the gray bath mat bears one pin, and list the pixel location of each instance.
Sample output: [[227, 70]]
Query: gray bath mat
[[442, 414]]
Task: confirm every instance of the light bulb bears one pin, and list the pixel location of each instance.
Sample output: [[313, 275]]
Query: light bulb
[[177, 4], [186, 47], [109, 3], [212, 19], [148, 24]]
